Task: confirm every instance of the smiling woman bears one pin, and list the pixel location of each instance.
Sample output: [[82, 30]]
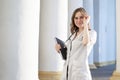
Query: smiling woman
[[79, 46]]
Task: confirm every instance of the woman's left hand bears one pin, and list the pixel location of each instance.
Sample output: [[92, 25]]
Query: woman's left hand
[[86, 19]]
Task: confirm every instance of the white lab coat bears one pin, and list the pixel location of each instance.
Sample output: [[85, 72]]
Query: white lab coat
[[77, 58]]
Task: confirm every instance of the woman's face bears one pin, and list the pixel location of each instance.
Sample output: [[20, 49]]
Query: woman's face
[[78, 19]]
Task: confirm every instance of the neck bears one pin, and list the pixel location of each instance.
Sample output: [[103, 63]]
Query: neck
[[80, 29]]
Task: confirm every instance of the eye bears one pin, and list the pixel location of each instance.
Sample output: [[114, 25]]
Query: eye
[[81, 17], [76, 17]]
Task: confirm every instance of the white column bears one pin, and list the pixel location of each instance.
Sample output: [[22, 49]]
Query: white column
[[116, 73], [62, 25], [48, 25], [88, 5], [53, 23], [19, 30], [117, 34]]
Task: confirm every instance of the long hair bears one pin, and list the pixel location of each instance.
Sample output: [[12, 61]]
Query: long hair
[[74, 28]]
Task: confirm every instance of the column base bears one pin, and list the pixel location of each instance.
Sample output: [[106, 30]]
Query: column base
[[49, 75], [115, 76], [92, 66], [100, 64]]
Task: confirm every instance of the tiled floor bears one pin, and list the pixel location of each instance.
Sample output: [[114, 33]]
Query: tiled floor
[[103, 73]]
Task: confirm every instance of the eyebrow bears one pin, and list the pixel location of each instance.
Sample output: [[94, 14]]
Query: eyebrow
[[79, 17]]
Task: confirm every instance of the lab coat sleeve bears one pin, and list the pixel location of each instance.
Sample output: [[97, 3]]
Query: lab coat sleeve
[[93, 37]]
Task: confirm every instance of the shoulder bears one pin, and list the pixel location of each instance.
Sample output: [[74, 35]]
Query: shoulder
[[93, 36], [93, 32]]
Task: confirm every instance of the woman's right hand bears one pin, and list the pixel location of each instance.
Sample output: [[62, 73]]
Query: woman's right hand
[[58, 47]]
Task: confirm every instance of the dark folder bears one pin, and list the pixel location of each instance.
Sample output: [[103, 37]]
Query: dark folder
[[63, 48], [62, 44]]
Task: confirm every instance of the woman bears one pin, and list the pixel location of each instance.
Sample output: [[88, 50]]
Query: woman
[[78, 47]]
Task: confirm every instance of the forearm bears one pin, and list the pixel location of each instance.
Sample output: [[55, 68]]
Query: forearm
[[86, 37]]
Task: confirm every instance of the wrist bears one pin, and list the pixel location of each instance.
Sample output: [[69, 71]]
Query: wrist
[[86, 27]]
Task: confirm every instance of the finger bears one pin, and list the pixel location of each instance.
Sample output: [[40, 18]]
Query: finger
[[59, 51]]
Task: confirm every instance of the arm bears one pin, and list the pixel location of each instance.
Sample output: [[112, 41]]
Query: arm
[[86, 36]]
